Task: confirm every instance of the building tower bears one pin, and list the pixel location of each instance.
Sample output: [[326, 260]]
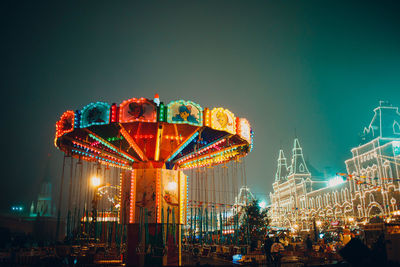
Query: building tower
[[299, 166], [281, 171]]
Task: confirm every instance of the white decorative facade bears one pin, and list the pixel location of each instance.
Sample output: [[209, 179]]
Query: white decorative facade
[[369, 189]]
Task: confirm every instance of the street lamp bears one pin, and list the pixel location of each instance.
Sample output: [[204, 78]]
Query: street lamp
[[262, 205], [172, 186], [95, 181]]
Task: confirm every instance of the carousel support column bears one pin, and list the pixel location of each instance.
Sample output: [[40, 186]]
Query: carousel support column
[[158, 141], [133, 228], [60, 201], [180, 212], [69, 215]]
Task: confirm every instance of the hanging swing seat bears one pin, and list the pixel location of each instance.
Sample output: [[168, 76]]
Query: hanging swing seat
[[158, 252], [205, 251], [140, 250]]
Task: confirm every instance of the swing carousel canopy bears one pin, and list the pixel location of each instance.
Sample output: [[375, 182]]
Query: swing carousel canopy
[[140, 131]]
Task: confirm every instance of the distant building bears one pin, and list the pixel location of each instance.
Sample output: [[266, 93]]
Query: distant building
[[371, 187], [44, 205]]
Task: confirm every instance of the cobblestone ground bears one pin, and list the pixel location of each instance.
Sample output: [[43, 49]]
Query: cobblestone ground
[[189, 260]]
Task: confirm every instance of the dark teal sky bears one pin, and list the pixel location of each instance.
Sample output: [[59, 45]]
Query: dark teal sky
[[314, 67]]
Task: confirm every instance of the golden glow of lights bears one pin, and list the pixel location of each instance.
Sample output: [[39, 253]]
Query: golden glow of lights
[[95, 181], [172, 186]]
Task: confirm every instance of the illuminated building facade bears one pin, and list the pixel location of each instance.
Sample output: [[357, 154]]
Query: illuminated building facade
[[370, 188]]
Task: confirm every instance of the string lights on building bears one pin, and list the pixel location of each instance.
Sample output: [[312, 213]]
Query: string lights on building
[[369, 189]]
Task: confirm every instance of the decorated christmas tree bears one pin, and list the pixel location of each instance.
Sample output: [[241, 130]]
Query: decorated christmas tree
[[254, 223]]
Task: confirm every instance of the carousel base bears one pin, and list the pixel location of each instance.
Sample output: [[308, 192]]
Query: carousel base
[[140, 254]]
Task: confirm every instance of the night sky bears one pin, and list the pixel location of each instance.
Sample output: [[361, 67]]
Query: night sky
[[315, 69]]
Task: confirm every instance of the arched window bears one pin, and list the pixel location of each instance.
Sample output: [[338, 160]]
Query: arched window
[[371, 198], [347, 194], [301, 167], [396, 127], [388, 173]]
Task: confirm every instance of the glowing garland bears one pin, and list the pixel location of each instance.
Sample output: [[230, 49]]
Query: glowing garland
[[114, 113], [185, 103], [216, 157], [104, 143], [223, 120], [244, 130], [88, 149], [60, 125], [358, 180], [132, 199], [103, 160], [99, 109], [111, 114], [183, 146], [132, 143], [203, 149], [158, 195], [182, 201], [162, 111], [100, 113], [139, 101]]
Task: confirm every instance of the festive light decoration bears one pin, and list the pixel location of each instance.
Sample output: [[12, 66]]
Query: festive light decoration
[[252, 140], [158, 142], [137, 110], [132, 197], [335, 181], [223, 120], [113, 148], [66, 123], [77, 120], [187, 112], [95, 114], [210, 159], [207, 117], [182, 199], [212, 145], [396, 148], [244, 129], [157, 99], [367, 191], [183, 145], [114, 113], [96, 152], [133, 144], [95, 181], [162, 112], [115, 138], [158, 195], [153, 143], [262, 204]]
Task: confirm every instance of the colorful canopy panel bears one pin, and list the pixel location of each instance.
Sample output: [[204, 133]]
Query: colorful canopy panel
[[180, 135]]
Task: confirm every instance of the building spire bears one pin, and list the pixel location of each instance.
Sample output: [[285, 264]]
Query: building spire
[[299, 165], [281, 172]]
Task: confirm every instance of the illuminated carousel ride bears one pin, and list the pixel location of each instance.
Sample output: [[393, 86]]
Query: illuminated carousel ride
[[152, 144]]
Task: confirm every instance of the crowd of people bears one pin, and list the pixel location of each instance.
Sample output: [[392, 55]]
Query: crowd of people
[[276, 248]]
